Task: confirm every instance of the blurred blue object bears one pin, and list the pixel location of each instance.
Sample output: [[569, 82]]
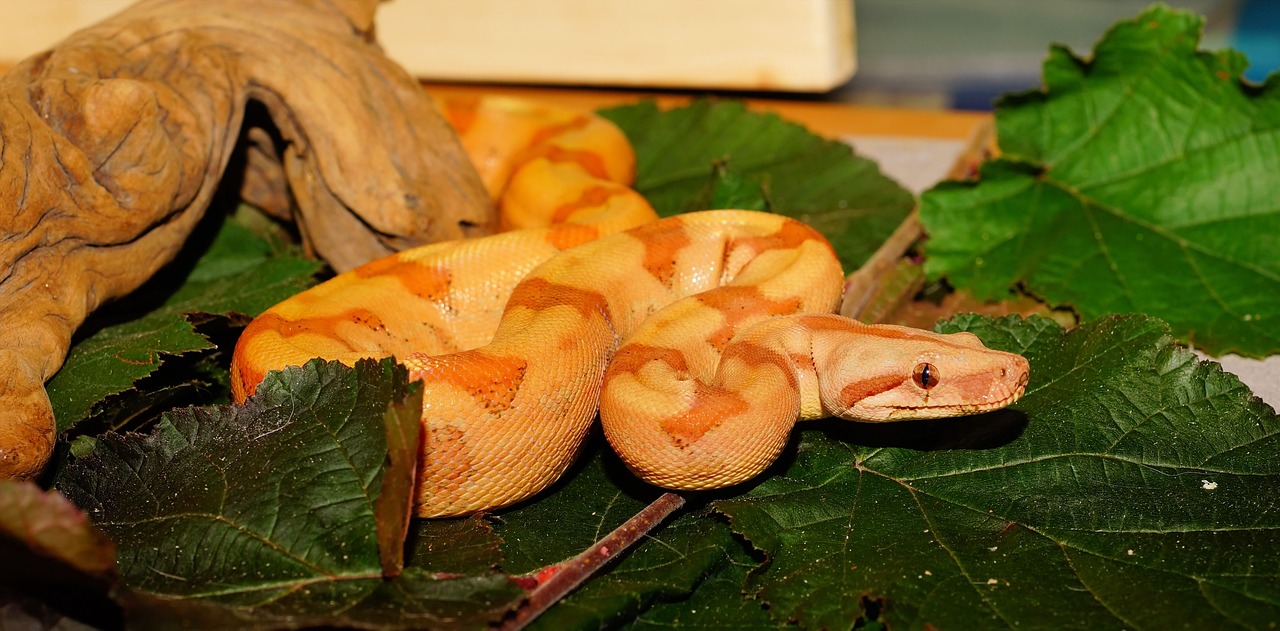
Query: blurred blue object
[[965, 53], [1257, 35]]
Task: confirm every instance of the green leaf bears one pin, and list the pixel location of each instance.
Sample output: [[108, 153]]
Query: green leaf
[[730, 189], [238, 273], [413, 600], [1141, 179], [711, 153], [465, 545], [595, 496], [718, 602], [689, 573], [1133, 486], [282, 488], [654, 579], [278, 509]]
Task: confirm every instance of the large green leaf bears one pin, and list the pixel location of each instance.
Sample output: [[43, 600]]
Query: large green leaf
[[1142, 179], [238, 273], [1132, 486], [717, 154], [276, 512]]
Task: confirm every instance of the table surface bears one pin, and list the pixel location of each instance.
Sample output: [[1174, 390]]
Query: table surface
[[834, 120]]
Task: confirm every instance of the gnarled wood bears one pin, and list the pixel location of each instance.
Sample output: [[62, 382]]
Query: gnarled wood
[[112, 145]]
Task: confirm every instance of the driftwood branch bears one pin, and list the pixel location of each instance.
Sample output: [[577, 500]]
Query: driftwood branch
[[112, 145]]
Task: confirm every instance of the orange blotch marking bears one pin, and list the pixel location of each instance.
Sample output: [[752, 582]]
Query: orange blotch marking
[[461, 112], [791, 235], [859, 390], [590, 161], [492, 380], [565, 236], [822, 323], [429, 282], [741, 305], [542, 144], [712, 406], [802, 360], [326, 326], [539, 294], [551, 131], [592, 197], [754, 355], [244, 380], [662, 242], [632, 357]]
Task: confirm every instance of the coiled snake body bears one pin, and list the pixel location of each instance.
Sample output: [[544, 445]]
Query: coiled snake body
[[700, 339]]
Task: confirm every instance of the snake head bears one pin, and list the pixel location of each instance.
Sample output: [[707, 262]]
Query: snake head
[[892, 373]]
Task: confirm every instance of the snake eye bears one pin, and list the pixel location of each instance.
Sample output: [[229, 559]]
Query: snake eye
[[925, 375]]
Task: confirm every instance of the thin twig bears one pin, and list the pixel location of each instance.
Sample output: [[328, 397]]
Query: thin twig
[[861, 285], [567, 576]]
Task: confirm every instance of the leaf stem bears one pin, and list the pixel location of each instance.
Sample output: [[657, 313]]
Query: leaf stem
[[861, 286], [566, 576]]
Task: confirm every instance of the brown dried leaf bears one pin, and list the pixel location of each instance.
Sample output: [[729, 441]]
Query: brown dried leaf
[[46, 524]]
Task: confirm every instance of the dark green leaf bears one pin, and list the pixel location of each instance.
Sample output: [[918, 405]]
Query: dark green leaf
[[657, 575], [238, 273], [278, 509], [735, 190], [679, 153], [1132, 486], [413, 600], [656, 582], [281, 489], [1141, 179], [595, 496], [718, 602], [466, 545]]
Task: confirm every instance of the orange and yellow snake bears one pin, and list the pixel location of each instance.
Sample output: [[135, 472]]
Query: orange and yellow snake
[[699, 339]]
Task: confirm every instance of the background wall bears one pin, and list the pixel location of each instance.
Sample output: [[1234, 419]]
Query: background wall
[[962, 53]]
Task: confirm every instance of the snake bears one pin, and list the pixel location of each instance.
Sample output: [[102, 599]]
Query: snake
[[699, 340]]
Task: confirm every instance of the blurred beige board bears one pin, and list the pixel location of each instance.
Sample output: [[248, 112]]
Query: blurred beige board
[[800, 45], [30, 26], [787, 45]]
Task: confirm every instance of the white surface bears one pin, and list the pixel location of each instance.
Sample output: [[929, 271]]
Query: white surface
[[800, 45], [794, 45], [1261, 375], [916, 163]]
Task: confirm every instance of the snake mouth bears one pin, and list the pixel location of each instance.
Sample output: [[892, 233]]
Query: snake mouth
[[947, 410]]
